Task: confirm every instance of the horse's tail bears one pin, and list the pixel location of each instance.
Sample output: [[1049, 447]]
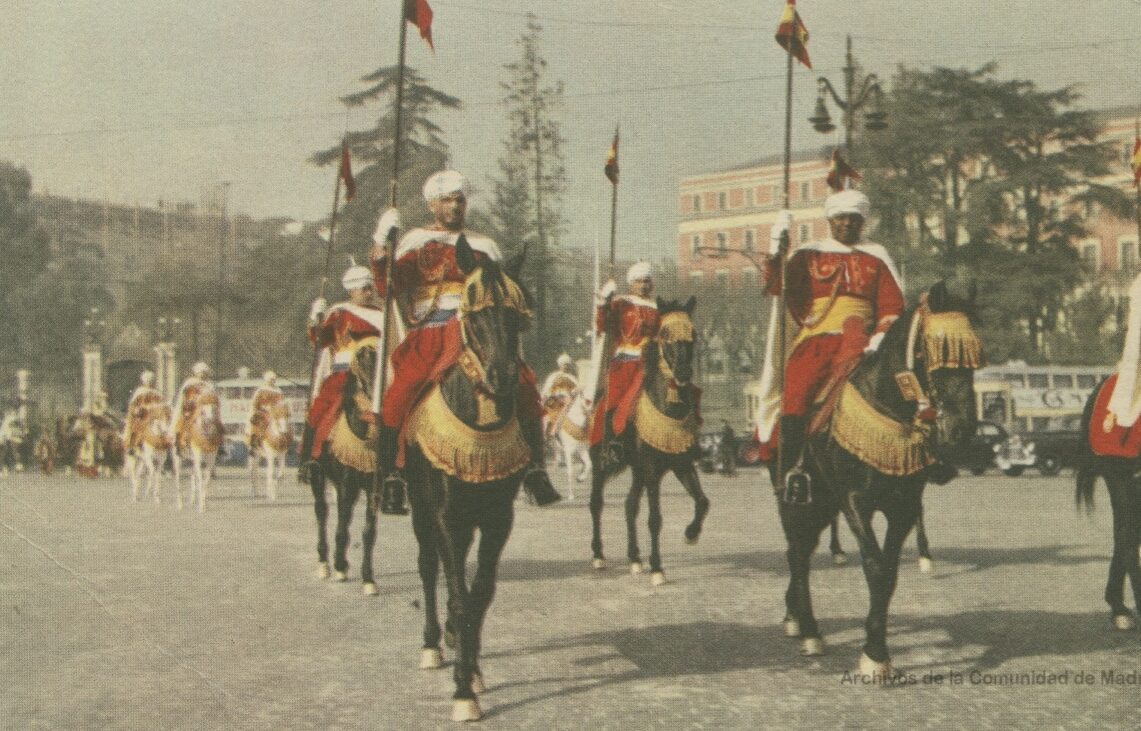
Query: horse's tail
[[1086, 468]]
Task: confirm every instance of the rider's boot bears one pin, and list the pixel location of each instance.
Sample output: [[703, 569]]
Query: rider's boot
[[613, 448], [394, 488], [795, 483], [536, 481], [307, 466]]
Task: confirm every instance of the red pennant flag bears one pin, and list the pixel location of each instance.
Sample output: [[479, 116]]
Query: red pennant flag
[[1136, 161], [347, 173], [792, 35], [611, 168], [419, 14], [840, 172]]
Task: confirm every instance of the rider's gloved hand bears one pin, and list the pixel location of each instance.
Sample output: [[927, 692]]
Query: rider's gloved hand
[[317, 310]]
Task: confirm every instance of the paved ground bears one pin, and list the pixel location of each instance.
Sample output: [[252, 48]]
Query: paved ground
[[121, 615]]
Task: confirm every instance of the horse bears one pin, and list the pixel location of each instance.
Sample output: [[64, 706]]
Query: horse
[[155, 446], [572, 435], [348, 458], [661, 437], [465, 461], [200, 440], [271, 442], [902, 409], [1120, 478], [13, 432]]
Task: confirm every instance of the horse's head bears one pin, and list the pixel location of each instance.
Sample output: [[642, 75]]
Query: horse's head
[[943, 352], [494, 310], [207, 416], [676, 340], [357, 394]]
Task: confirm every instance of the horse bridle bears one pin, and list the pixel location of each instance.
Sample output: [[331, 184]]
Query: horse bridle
[[954, 336], [504, 293], [675, 327]]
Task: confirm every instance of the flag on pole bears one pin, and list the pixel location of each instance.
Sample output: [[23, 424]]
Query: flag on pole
[[611, 168], [1136, 161], [840, 172], [792, 35], [419, 14], [347, 173]]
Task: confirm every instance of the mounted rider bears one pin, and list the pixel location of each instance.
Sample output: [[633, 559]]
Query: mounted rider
[[192, 389], [336, 330], [842, 296], [265, 398], [558, 390], [143, 398], [629, 322], [427, 285]]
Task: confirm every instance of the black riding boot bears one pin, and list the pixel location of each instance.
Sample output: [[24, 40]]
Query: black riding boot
[[795, 483], [307, 466], [613, 448], [394, 489], [536, 482]]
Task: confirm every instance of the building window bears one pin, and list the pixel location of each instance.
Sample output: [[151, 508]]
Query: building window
[[696, 243], [750, 197], [723, 241], [775, 193], [749, 277], [804, 234], [805, 191], [1128, 255], [696, 203], [722, 201], [1089, 254], [750, 239]]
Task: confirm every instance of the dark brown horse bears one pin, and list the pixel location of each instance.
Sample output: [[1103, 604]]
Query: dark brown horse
[[936, 345], [660, 439]]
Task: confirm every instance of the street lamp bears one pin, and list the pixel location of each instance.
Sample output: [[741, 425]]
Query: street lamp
[[93, 326], [856, 96]]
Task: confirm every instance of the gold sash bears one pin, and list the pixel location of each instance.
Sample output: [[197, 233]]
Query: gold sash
[[828, 315]]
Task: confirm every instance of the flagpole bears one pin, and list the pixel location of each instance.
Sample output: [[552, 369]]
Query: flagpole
[[614, 209], [325, 272], [782, 253], [381, 377], [1136, 186]]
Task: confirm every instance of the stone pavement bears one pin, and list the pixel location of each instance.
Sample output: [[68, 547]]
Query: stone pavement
[[124, 615]]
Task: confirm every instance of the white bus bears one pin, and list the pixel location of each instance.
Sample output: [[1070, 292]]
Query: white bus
[[1027, 399], [237, 394]]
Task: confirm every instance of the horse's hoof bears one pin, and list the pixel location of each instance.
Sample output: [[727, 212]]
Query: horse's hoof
[[812, 647], [598, 564], [926, 565], [1124, 622], [791, 627], [658, 578], [879, 672], [691, 540], [840, 559], [322, 569], [477, 685], [636, 567], [431, 658], [370, 589], [466, 709], [341, 576]]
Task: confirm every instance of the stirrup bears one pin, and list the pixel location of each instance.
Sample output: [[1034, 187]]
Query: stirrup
[[308, 471], [614, 452], [797, 486], [537, 485], [393, 492]]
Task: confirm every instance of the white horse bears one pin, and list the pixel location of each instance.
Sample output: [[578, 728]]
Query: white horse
[[146, 459], [13, 432], [272, 445], [572, 430], [202, 438]]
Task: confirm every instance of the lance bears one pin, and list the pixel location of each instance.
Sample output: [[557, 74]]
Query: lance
[[782, 253], [1136, 185], [381, 377]]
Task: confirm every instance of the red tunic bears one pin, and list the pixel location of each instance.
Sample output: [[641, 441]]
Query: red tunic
[[629, 322], [1118, 441], [343, 325]]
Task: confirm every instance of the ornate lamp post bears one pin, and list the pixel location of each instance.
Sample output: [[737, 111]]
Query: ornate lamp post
[[94, 326], [857, 94], [166, 357]]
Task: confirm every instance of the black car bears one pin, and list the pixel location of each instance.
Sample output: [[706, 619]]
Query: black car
[[979, 454]]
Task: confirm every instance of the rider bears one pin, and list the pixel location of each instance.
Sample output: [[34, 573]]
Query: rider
[[558, 390], [629, 322], [427, 283], [264, 398], [336, 330], [142, 398], [843, 296], [197, 384]]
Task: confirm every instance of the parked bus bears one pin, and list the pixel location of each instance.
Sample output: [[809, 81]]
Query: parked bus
[[237, 394], [1028, 399]]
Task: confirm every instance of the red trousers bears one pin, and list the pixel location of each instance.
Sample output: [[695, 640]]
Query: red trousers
[[623, 384], [325, 409]]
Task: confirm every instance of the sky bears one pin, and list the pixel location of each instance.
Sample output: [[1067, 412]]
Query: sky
[[134, 102]]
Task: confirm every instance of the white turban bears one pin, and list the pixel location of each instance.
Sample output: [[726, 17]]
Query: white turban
[[641, 270], [444, 183], [847, 201], [565, 360], [200, 369], [147, 378], [356, 277], [269, 377]]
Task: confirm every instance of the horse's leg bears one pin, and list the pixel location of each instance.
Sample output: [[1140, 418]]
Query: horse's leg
[[654, 523], [208, 461], [926, 565], [455, 529], [566, 446], [497, 514], [176, 465], [368, 536], [424, 510], [1125, 521], [686, 473], [321, 511], [253, 459], [858, 507], [838, 556], [347, 489], [633, 503], [597, 483], [802, 525]]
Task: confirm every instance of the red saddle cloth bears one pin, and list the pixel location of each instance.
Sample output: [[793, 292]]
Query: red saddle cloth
[[1119, 441]]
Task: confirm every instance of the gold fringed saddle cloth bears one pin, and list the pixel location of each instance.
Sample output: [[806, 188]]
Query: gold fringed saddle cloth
[[351, 450], [461, 451], [889, 446], [672, 436]]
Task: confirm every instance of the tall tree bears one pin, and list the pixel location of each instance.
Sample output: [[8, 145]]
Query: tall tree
[[25, 252]]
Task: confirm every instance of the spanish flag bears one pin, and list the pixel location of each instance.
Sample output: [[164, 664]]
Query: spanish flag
[[419, 14], [792, 35], [611, 168], [840, 172], [1136, 161], [347, 173]]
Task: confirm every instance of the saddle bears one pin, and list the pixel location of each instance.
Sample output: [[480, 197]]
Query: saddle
[[1106, 437]]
